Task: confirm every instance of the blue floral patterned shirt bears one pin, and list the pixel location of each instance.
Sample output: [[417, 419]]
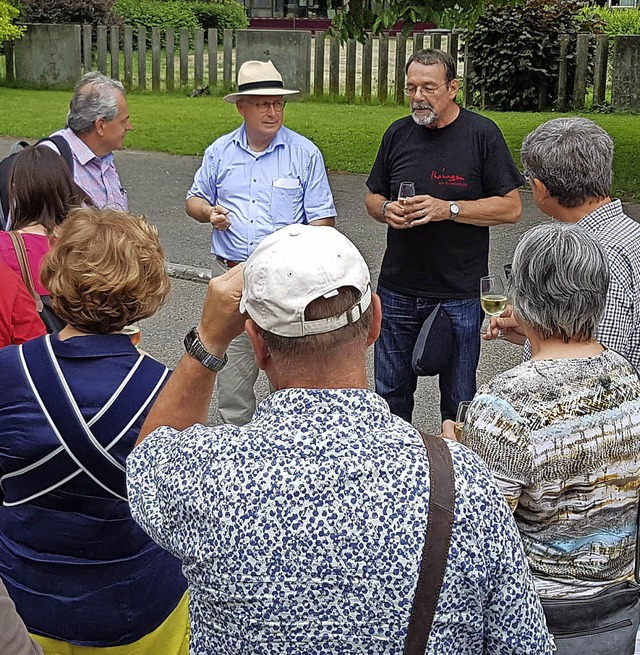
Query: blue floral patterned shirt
[[302, 532]]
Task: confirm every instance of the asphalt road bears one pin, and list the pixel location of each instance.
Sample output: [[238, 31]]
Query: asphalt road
[[157, 184]]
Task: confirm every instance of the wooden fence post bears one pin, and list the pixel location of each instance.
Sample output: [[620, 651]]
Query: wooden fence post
[[367, 68], [184, 57], [453, 46], [600, 70], [227, 55], [334, 65], [10, 67], [102, 48], [318, 65], [170, 56], [142, 58], [212, 49], [418, 41], [128, 57], [401, 58], [582, 68], [350, 82], [114, 45], [561, 102], [87, 48], [155, 58], [383, 67], [198, 60]]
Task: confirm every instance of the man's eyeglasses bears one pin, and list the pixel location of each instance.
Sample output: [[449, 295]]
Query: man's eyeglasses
[[411, 90], [264, 106]]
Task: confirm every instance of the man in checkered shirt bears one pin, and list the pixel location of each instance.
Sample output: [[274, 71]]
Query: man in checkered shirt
[[569, 164]]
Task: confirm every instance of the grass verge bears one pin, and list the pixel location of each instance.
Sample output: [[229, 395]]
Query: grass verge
[[348, 135]]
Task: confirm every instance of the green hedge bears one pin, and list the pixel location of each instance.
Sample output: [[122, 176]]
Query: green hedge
[[179, 14], [156, 14], [8, 14]]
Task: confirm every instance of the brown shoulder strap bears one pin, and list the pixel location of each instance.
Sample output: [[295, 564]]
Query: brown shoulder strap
[[23, 262], [436, 545]]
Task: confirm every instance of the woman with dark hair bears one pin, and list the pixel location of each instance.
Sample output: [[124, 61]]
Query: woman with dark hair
[[83, 575], [41, 194]]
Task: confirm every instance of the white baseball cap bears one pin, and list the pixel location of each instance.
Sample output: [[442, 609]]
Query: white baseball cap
[[295, 266]]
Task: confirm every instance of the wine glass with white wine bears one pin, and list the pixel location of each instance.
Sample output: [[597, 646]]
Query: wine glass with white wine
[[407, 190], [493, 296]]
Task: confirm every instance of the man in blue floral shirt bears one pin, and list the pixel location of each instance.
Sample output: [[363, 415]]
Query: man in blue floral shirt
[[302, 531]]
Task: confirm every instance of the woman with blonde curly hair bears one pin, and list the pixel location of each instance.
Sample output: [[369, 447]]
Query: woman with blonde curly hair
[[83, 575]]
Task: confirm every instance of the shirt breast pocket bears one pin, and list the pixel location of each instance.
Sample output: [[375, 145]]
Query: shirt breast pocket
[[286, 200]]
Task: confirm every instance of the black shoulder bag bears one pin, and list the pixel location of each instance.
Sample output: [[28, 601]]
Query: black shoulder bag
[[436, 545], [604, 624]]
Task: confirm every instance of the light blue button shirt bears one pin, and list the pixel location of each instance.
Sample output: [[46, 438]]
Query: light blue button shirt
[[286, 183]]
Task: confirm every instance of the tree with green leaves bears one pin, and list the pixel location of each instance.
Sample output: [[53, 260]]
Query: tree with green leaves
[[9, 31], [354, 18]]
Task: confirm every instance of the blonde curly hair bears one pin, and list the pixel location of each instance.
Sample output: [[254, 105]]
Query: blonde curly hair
[[106, 270]]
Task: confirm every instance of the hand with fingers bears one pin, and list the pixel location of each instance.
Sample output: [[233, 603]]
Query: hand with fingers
[[505, 327], [219, 218], [424, 209]]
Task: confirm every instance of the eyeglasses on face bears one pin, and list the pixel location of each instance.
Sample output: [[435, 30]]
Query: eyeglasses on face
[[411, 89], [264, 106]]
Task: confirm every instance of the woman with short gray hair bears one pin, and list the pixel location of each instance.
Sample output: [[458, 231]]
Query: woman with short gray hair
[[560, 432]]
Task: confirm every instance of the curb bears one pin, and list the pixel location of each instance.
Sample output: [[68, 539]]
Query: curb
[[190, 273]]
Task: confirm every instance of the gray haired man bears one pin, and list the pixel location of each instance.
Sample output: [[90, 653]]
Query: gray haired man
[[569, 164], [97, 124], [302, 531]]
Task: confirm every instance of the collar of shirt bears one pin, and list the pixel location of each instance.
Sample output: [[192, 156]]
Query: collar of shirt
[[93, 345], [81, 150], [240, 139], [348, 403], [597, 217]]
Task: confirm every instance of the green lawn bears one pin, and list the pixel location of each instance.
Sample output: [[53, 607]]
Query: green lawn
[[348, 135]]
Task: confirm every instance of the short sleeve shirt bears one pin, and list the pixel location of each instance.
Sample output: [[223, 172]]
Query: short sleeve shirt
[[466, 160], [263, 191]]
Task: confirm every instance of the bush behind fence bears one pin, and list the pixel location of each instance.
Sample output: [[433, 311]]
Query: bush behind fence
[[189, 61]]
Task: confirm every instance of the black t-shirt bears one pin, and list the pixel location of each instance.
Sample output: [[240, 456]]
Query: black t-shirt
[[466, 160]]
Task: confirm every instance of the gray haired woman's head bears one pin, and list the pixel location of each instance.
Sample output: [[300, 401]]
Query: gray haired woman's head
[[572, 157], [95, 96], [559, 282]]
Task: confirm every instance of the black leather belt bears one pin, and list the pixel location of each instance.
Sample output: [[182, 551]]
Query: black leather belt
[[227, 262]]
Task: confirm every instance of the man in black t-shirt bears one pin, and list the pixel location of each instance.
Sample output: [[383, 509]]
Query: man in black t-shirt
[[438, 241]]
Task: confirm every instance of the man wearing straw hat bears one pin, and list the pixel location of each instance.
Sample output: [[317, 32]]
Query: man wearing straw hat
[[252, 182]]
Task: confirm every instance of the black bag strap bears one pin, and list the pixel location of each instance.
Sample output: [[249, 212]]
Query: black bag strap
[[436, 545], [63, 148]]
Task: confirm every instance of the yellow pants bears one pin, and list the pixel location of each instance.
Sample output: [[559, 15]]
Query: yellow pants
[[169, 638]]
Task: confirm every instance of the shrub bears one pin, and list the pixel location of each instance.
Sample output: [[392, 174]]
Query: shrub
[[8, 31], [515, 52], [615, 22], [67, 11], [157, 14], [221, 14]]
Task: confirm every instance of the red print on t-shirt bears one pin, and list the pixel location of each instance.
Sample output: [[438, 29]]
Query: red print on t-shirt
[[443, 178]]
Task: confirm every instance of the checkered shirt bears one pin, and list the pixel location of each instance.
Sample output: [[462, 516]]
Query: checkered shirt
[[619, 235]]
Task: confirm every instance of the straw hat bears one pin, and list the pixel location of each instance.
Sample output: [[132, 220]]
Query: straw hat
[[259, 78]]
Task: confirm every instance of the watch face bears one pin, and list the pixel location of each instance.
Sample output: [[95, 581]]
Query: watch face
[[454, 209]]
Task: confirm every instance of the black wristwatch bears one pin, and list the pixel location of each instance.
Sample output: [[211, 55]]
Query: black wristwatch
[[194, 347]]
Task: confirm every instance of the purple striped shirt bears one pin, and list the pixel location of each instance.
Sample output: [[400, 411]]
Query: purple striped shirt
[[96, 175]]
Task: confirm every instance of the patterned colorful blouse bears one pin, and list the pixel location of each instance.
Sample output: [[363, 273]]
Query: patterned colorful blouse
[[302, 533], [561, 437]]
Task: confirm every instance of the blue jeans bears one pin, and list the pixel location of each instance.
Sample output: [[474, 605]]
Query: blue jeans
[[402, 318]]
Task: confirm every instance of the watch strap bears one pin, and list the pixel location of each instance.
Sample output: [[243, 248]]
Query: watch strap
[[195, 348]]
